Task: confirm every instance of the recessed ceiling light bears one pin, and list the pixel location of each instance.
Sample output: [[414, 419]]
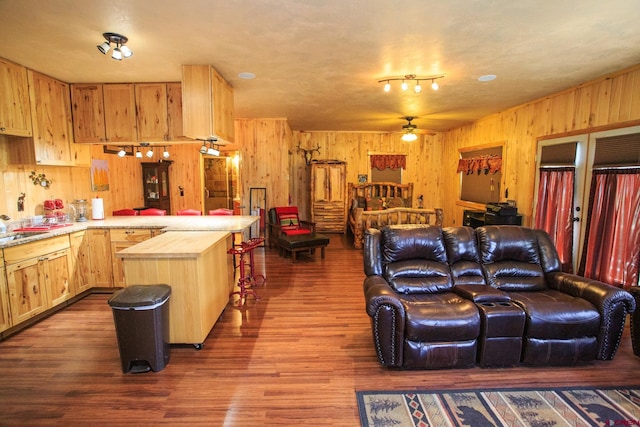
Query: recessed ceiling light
[[247, 76], [487, 78]]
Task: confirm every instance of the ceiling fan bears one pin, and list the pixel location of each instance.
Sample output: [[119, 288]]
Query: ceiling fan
[[410, 131]]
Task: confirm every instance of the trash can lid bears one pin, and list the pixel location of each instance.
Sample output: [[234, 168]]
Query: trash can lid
[[140, 296]]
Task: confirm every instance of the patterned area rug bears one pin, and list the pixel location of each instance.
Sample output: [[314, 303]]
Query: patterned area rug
[[512, 407]]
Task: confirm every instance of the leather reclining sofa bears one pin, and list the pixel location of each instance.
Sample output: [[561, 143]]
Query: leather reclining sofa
[[494, 296]]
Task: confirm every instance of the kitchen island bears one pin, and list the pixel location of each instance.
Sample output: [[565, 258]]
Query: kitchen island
[[198, 268]]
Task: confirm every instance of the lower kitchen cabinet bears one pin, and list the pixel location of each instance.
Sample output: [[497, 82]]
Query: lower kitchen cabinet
[[98, 246], [5, 317], [38, 276], [122, 238], [80, 266]]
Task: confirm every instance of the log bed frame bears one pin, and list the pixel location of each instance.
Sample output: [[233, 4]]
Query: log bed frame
[[360, 219]]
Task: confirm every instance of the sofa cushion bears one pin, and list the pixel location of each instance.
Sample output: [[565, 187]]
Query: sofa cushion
[[417, 276], [555, 315], [463, 257], [510, 258], [440, 317]]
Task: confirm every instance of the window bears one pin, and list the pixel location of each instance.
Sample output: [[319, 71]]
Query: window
[[481, 175]]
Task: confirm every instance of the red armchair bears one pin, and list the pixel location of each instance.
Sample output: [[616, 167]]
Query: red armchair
[[286, 221]]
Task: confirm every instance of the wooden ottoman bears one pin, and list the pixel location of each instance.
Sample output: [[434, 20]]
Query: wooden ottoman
[[302, 242]]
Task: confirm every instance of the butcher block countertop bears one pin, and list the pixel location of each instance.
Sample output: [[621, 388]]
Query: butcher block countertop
[[175, 244]]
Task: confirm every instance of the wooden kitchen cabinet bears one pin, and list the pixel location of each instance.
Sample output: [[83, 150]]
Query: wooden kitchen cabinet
[[15, 112], [5, 316], [122, 238], [104, 113], [174, 111], [151, 112], [80, 264], [100, 266], [329, 196], [38, 276], [207, 103], [52, 123]]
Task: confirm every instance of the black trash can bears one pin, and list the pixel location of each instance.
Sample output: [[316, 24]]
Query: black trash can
[[141, 316]]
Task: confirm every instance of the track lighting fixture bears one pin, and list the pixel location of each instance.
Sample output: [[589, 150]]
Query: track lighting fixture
[[120, 51], [213, 148], [411, 77], [139, 151]]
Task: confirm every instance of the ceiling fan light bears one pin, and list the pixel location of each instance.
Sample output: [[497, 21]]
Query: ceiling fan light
[[409, 137], [104, 47]]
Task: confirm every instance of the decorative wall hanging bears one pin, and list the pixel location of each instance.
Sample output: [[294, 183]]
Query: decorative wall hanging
[[308, 154], [99, 175], [388, 161], [40, 179], [480, 164]]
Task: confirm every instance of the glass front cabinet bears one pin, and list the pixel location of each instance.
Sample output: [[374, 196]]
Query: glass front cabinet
[[155, 183]]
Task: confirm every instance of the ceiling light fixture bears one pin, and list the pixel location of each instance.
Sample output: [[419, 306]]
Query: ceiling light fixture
[[122, 152], [137, 150], [213, 149], [120, 51], [408, 78], [138, 153], [409, 130], [165, 153]]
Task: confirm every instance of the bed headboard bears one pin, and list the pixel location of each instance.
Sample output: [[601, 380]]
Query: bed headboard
[[381, 189]]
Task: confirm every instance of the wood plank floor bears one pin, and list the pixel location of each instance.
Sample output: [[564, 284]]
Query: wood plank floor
[[296, 357]]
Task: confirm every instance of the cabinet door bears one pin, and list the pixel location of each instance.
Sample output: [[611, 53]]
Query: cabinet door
[[56, 269], [122, 239], [174, 111], [15, 114], [328, 197], [222, 108], [80, 267], [120, 112], [5, 317], [26, 294], [52, 125], [100, 266], [87, 105], [151, 108]]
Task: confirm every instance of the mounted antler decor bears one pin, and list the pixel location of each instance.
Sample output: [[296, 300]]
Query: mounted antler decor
[[308, 154]]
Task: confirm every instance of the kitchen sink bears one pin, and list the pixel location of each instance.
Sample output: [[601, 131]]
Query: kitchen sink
[[7, 237]]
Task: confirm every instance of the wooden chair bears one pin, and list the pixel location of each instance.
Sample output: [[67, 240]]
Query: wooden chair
[[153, 212], [125, 212], [191, 212], [221, 211], [289, 233]]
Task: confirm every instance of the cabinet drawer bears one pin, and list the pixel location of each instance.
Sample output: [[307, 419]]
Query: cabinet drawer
[[130, 234], [35, 249]]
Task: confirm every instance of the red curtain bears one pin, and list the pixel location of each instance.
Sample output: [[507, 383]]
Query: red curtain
[[554, 210], [487, 164], [388, 161], [612, 248]]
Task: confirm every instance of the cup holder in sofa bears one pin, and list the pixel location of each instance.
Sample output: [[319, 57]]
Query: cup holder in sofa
[[501, 329]]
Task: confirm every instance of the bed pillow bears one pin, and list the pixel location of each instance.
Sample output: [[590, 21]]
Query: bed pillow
[[395, 202], [374, 203]]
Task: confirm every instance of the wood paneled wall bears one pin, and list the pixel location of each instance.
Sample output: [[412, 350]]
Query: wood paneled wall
[[606, 103], [269, 156]]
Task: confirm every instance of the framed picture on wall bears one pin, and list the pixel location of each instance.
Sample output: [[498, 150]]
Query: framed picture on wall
[[99, 175], [362, 179]]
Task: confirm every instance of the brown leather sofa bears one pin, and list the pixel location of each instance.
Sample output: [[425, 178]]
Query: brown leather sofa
[[495, 296]]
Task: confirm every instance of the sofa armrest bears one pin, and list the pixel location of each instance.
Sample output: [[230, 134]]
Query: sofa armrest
[[612, 303], [481, 293], [387, 320]]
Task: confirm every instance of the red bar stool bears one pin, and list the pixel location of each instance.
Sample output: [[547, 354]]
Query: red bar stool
[[248, 279]]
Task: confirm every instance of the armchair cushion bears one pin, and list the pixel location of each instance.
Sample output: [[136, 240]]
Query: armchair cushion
[[289, 221]]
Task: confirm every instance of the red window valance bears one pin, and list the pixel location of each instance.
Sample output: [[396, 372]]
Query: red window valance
[[388, 161], [480, 164]]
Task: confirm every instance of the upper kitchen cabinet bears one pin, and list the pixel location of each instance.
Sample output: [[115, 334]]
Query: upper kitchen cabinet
[[15, 113], [159, 111], [104, 113], [207, 103], [151, 110], [52, 125]]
